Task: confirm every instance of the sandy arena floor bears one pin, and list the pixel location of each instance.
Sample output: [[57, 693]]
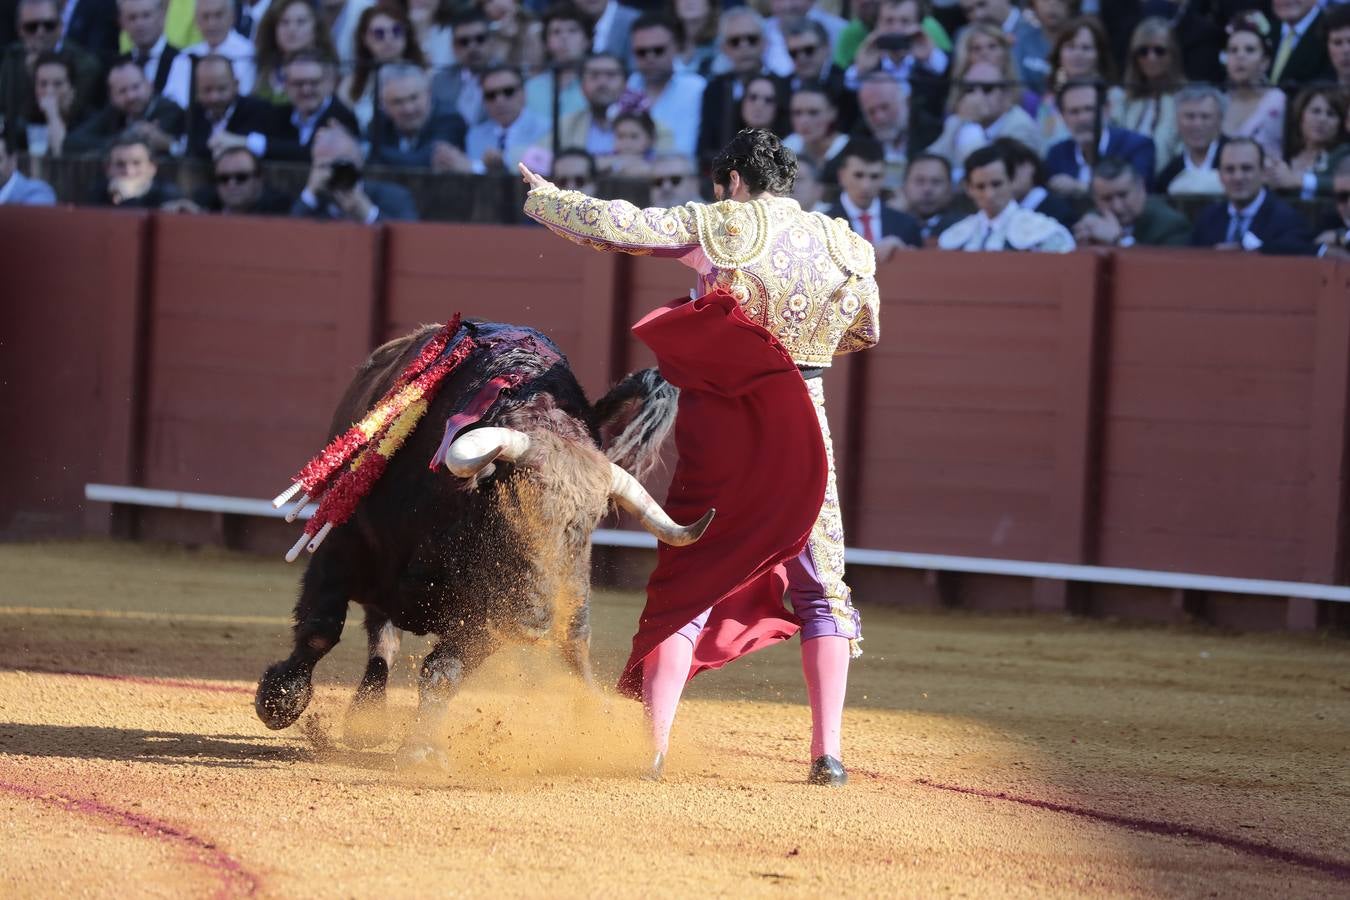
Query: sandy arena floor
[[990, 757]]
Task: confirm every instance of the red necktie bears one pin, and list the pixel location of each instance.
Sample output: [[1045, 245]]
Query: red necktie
[[866, 219]]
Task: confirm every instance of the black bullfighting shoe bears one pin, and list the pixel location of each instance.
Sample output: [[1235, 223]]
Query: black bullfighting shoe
[[829, 771], [658, 765]]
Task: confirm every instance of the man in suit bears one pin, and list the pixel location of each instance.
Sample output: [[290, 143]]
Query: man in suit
[[220, 118], [927, 195], [459, 88], [17, 189], [808, 45], [1069, 163], [143, 21], [510, 129], [215, 20], [311, 76], [1250, 217], [1199, 122], [999, 223], [239, 188], [131, 107], [39, 27], [336, 191], [888, 118], [741, 37], [611, 26], [408, 132], [92, 24], [862, 166], [130, 177], [1333, 238], [1125, 214], [1301, 48]]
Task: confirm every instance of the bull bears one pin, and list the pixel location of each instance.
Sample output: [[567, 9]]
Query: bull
[[495, 550]]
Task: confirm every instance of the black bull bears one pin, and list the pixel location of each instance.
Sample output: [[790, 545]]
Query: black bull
[[500, 553]]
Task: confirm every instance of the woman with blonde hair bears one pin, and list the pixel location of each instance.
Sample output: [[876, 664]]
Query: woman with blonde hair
[[287, 26], [1152, 77], [982, 42]]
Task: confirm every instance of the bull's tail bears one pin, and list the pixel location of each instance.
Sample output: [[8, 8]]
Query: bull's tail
[[635, 418]]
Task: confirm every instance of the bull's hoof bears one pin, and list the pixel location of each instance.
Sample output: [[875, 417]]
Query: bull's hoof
[[422, 756], [367, 722], [283, 694]]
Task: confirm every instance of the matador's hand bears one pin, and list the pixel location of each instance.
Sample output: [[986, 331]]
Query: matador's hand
[[533, 180]]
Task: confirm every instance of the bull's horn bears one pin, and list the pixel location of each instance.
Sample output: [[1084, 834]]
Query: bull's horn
[[471, 452], [632, 496]]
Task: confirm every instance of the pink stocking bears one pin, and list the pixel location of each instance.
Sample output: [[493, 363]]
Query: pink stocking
[[664, 672], [825, 665]]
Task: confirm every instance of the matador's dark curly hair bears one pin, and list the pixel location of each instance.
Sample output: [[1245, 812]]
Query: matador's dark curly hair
[[764, 163]]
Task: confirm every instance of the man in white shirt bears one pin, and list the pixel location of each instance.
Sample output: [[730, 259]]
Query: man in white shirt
[[143, 21], [1199, 122], [674, 99], [861, 171], [15, 188], [509, 129], [215, 20], [1000, 224]]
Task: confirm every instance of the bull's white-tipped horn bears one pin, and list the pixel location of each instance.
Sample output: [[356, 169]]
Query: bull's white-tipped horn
[[294, 511], [632, 496], [294, 553], [471, 452], [318, 538], [285, 495]]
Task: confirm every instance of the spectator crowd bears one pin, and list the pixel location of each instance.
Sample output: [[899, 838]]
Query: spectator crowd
[[957, 124]]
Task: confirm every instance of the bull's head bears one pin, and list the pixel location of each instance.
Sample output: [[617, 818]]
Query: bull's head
[[471, 455]]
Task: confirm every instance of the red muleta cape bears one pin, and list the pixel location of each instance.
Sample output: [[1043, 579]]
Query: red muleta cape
[[749, 446]]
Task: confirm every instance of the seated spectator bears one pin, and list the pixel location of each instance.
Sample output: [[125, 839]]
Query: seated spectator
[[674, 99], [130, 177], [983, 111], [927, 194], [17, 189], [215, 20], [1333, 237], [574, 170], [238, 188], [1338, 43], [1125, 215], [1195, 169], [430, 20], [1315, 141], [789, 15], [901, 46], [311, 80], [815, 135], [1301, 45], [1250, 217], [809, 47], [986, 43], [698, 35], [741, 38], [39, 29], [1000, 224], [1255, 109], [610, 24], [383, 38], [763, 104], [517, 36], [131, 107], [674, 181], [1032, 45], [1081, 54], [287, 28], [888, 120], [510, 128], [1030, 183], [1001, 14], [867, 13], [54, 112], [807, 189], [459, 88], [567, 40], [634, 138], [602, 84], [336, 191], [143, 22], [409, 133], [1152, 77], [221, 118], [1069, 163], [861, 170]]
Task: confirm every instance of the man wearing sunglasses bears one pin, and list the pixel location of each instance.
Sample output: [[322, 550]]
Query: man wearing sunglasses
[[787, 15], [985, 111], [237, 188], [459, 87], [674, 99], [509, 129], [741, 38], [782, 293], [808, 45], [311, 79], [38, 23]]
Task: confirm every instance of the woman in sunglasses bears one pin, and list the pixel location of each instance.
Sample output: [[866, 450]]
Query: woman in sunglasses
[[286, 27], [384, 35], [1153, 76]]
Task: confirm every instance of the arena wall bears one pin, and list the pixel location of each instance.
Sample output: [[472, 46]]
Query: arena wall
[[1180, 411]]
